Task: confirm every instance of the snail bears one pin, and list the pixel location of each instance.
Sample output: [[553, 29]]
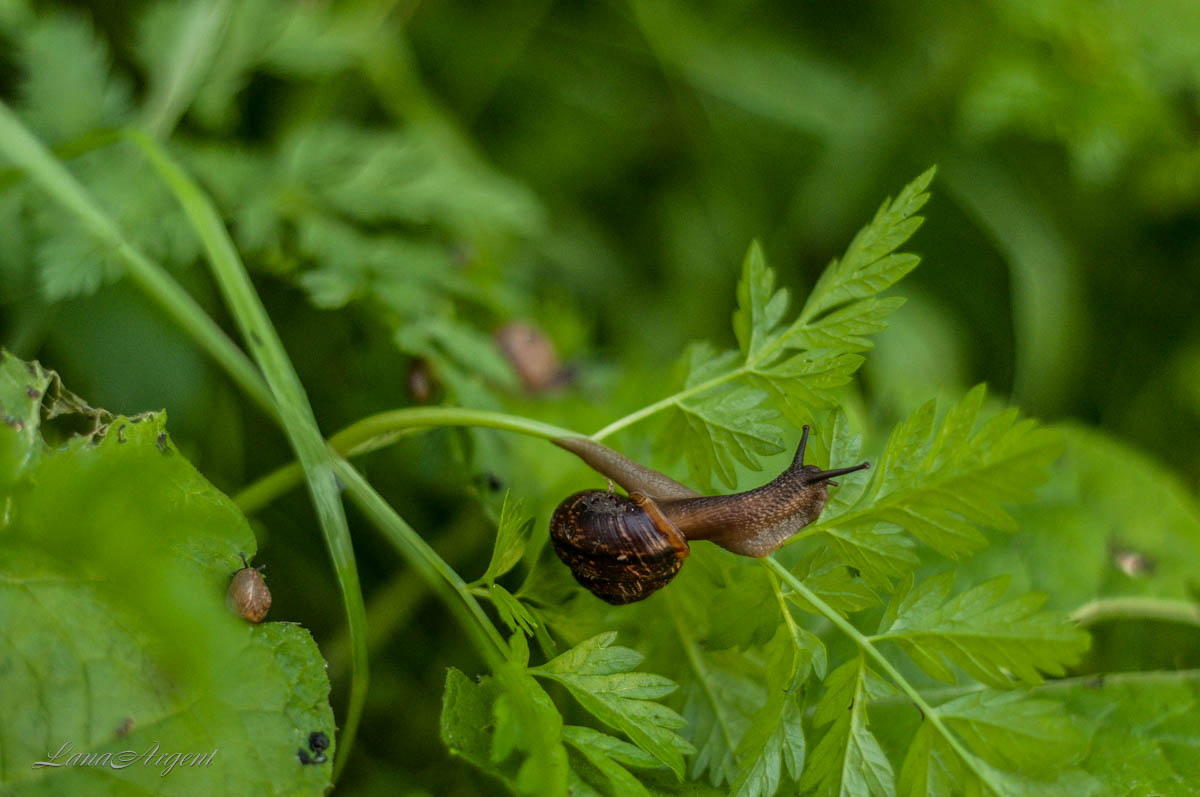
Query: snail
[[248, 594], [623, 549]]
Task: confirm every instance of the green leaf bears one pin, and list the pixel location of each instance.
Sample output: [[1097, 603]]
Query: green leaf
[[720, 416], [804, 382], [511, 536], [1095, 507], [930, 766], [718, 707], [719, 431], [1012, 731], [458, 346], [611, 756], [113, 578], [1148, 741], [746, 614], [760, 306], [941, 485], [775, 738], [877, 553], [513, 613], [996, 643], [869, 267], [466, 724], [415, 175], [72, 261], [487, 721], [67, 90], [599, 677], [848, 759], [826, 574]]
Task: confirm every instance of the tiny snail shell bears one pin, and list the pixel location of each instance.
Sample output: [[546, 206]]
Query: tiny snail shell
[[248, 594]]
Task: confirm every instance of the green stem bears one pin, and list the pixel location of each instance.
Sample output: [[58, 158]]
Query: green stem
[[866, 646], [1137, 608], [445, 579], [191, 54], [295, 413], [385, 423], [30, 155], [749, 366], [384, 428]]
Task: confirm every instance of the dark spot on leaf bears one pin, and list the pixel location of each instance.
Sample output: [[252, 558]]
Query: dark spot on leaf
[[493, 482], [33, 392], [121, 433], [256, 339], [854, 571], [305, 758], [162, 443], [318, 741], [125, 727]]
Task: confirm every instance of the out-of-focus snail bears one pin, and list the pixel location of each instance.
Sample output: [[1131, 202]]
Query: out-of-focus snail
[[248, 594], [622, 549], [532, 355]]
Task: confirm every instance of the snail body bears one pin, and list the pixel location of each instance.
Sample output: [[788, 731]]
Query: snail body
[[623, 549]]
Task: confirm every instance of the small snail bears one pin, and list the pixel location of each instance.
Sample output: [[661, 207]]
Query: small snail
[[248, 594], [622, 549]]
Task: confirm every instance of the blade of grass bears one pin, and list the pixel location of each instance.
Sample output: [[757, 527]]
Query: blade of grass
[[295, 413], [31, 156]]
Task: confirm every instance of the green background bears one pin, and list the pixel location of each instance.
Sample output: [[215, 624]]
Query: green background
[[599, 170]]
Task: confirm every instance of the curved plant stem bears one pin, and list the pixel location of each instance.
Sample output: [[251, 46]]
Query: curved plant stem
[[384, 428], [1137, 608], [295, 413], [866, 646]]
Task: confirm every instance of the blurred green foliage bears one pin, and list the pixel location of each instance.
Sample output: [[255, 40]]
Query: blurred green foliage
[[405, 179], [117, 640]]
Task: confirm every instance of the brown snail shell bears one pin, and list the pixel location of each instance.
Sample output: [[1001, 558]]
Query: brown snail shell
[[616, 549], [248, 594]]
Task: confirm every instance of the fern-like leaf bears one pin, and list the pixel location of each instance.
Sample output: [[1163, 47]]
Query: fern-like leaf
[[849, 759], [942, 485], [998, 643], [598, 675], [718, 417]]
